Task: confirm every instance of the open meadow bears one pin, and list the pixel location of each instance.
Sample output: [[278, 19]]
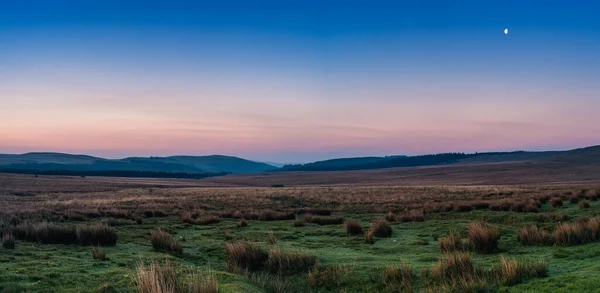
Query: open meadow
[[71, 234]]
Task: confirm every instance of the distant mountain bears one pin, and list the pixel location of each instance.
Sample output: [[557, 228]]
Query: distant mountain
[[175, 164]]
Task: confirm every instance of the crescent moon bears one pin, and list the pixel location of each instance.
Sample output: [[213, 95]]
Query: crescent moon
[[506, 31]]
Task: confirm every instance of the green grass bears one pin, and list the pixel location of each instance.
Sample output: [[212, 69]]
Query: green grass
[[34, 267]]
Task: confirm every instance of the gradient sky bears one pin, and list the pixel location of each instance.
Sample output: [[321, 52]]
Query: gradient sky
[[297, 81]]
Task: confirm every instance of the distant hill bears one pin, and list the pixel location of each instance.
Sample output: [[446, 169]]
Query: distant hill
[[369, 163], [175, 164]]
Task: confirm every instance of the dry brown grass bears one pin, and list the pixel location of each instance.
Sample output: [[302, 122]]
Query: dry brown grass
[[290, 262], [483, 237], [98, 253], [370, 237], [163, 241], [532, 235], [381, 228], [580, 232], [245, 256], [451, 243], [353, 228], [157, 278], [8, 241]]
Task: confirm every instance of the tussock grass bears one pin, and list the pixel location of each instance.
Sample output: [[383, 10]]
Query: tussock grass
[[98, 253], [324, 220], [381, 228], [370, 237], [353, 228], [556, 202], [451, 243], [455, 271], [157, 278], [532, 235], [98, 234], [163, 241], [245, 256], [398, 276], [290, 262], [580, 232], [242, 223], [45, 233], [330, 276], [8, 241], [271, 239], [483, 237], [584, 205], [513, 271]]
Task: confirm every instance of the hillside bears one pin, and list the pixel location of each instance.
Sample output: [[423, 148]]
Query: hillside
[[176, 164]]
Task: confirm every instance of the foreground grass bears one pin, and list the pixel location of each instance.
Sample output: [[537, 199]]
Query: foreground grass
[[34, 267]]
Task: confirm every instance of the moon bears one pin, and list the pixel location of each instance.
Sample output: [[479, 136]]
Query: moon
[[506, 31]]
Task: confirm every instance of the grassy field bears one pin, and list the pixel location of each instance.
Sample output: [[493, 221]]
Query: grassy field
[[344, 263]]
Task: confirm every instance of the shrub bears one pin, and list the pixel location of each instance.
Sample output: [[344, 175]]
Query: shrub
[[532, 235], [381, 228], [353, 227], [242, 223], [163, 241], [584, 205], [8, 241], [245, 256], [97, 234], [556, 202], [451, 243], [290, 262], [98, 253], [369, 237], [483, 237]]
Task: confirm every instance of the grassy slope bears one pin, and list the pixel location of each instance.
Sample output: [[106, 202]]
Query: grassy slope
[[60, 268]]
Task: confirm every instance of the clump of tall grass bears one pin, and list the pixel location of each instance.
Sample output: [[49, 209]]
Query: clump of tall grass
[[157, 278], [98, 253], [455, 270], [299, 223], [271, 239], [45, 233], [370, 237], [451, 243], [584, 205], [330, 276], [245, 256], [580, 232], [394, 276], [353, 228], [513, 271], [413, 216], [8, 241], [242, 223], [323, 220], [163, 241], [381, 228], [289, 262], [532, 235], [483, 237], [97, 234], [556, 202]]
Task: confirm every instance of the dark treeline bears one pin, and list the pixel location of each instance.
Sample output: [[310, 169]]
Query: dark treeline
[[425, 160], [113, 173]]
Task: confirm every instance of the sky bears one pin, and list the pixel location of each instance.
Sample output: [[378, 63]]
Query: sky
[[297, 81]]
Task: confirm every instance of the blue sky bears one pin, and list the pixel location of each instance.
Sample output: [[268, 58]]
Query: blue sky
[[297, 81]]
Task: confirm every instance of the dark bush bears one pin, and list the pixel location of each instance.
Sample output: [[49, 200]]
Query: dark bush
[[381, 228], [353, 227]]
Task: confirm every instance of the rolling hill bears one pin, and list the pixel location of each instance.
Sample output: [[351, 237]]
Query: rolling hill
[[175, 164]]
